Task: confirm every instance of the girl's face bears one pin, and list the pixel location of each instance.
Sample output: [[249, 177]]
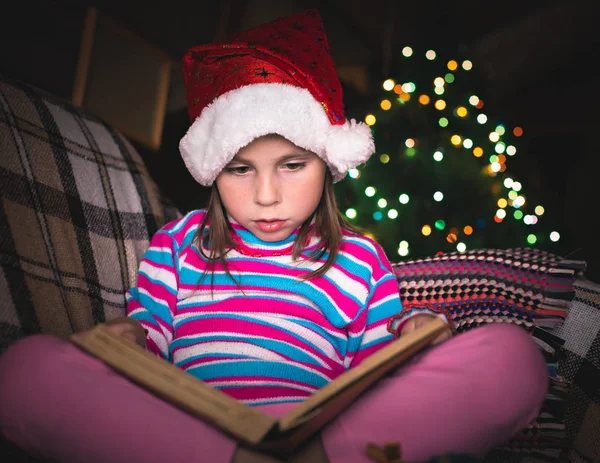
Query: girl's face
[[271, 187]]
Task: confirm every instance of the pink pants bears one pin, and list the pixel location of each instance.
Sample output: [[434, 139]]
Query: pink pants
[[466, 395]]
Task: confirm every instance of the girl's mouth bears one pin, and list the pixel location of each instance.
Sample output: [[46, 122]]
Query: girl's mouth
[[270, 226]]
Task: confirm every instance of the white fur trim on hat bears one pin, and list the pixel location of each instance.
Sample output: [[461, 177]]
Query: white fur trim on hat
[[237, 117]]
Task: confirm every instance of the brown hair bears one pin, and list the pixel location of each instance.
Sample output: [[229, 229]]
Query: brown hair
[[329, 223]]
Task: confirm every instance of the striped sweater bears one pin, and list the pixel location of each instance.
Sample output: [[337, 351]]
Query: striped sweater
[[282, 338]]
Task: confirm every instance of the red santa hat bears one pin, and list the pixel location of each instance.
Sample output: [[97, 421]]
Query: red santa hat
[[277, 78]]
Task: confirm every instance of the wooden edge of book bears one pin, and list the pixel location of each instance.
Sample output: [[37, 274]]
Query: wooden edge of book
[[383, 361], [176, 386]]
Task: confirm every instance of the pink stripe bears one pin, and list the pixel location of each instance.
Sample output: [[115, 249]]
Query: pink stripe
[[257, 393]]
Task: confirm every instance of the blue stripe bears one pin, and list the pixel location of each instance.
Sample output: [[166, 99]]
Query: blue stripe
[[257, 370], [158, 310]]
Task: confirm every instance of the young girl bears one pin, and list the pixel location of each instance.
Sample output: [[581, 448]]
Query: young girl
[[268, 293]]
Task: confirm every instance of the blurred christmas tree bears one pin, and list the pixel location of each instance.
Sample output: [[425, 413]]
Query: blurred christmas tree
[[440, 180]]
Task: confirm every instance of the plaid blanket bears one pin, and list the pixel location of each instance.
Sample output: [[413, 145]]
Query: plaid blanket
[[77, 210]]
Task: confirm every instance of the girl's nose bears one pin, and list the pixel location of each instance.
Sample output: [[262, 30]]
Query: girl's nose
[[267, 191]]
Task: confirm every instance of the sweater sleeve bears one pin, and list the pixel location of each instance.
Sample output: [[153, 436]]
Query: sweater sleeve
[[152, 301], [369, 330]]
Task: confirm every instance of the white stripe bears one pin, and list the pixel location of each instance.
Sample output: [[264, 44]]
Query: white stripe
[[166, 277], [255, 383], [224, 347]]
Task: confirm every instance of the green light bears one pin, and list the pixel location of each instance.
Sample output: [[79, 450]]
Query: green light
[[518, 215], [531, 239], [410, 152], [493, 158], [449, 77], [440, 224], [443, 122]]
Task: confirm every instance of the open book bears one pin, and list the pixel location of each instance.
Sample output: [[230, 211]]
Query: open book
[[245, 423]]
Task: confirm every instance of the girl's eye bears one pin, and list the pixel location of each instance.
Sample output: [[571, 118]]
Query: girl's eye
[[240, 170], [294, 165]]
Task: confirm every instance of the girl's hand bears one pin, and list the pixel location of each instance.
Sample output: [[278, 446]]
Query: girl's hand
[[418, 321], [124, 326]]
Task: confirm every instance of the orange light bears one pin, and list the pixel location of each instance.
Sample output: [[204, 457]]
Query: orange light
[[451, 238], [479, 104], [497, 219], [398, 89], [477, 152], [386, 104], [501, 158], [404, 97], [468, 230], [517, 131], [452, 65], [424, 99]]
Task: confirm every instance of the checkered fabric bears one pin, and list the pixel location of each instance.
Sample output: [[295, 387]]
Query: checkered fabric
[[580, 367], [528, 287], [77, 209]]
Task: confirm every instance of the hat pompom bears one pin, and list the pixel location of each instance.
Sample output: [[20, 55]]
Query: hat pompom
[[348, 145]]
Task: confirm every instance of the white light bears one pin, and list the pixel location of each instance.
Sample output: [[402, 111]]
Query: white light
[[482, 118], [403, 198], [353, 173], [554, 236], [370, 191], [382, 203], [495, 166], [508, 182], [438, 196], [351, 213], [461, 247], [389, 85], [393, 214], [438, 156]]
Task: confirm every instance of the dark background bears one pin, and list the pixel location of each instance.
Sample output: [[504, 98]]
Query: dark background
[[538, 62]]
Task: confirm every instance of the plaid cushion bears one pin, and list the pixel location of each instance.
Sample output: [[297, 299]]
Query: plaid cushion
[[77, 209], [580, 368], [528, 287]]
